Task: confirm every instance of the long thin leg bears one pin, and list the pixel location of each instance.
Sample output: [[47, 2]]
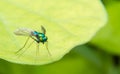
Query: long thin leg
[[26, 48], [47, 48], [37, 50], [33, 38], [23, 45]]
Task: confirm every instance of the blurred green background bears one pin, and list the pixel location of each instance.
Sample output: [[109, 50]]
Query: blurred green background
[[100, 56]]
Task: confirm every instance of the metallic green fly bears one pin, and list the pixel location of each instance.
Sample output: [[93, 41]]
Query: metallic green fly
[[38, 37]]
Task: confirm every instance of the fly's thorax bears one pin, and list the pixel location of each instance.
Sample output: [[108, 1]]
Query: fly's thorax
[[40, 37]]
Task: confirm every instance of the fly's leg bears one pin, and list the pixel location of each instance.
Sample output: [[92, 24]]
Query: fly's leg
[[23, 46], [27, 48], [34, 39], [47, 48], [37, 47], [37, 50]]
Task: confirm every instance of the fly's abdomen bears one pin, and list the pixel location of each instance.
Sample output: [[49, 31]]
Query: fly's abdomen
[[40, 37]]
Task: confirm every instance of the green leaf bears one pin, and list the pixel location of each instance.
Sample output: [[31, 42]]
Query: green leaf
[[109, 37], [67, 23]]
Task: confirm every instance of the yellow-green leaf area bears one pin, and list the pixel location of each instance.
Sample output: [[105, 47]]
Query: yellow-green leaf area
[[68, 23]]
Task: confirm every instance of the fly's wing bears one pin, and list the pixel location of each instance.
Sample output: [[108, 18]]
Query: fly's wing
[[23, 32], [43, 29]]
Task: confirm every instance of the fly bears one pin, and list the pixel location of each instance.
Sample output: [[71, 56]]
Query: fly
[[38, 37]]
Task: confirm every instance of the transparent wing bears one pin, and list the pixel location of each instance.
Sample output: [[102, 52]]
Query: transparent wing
[[23, 32]]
